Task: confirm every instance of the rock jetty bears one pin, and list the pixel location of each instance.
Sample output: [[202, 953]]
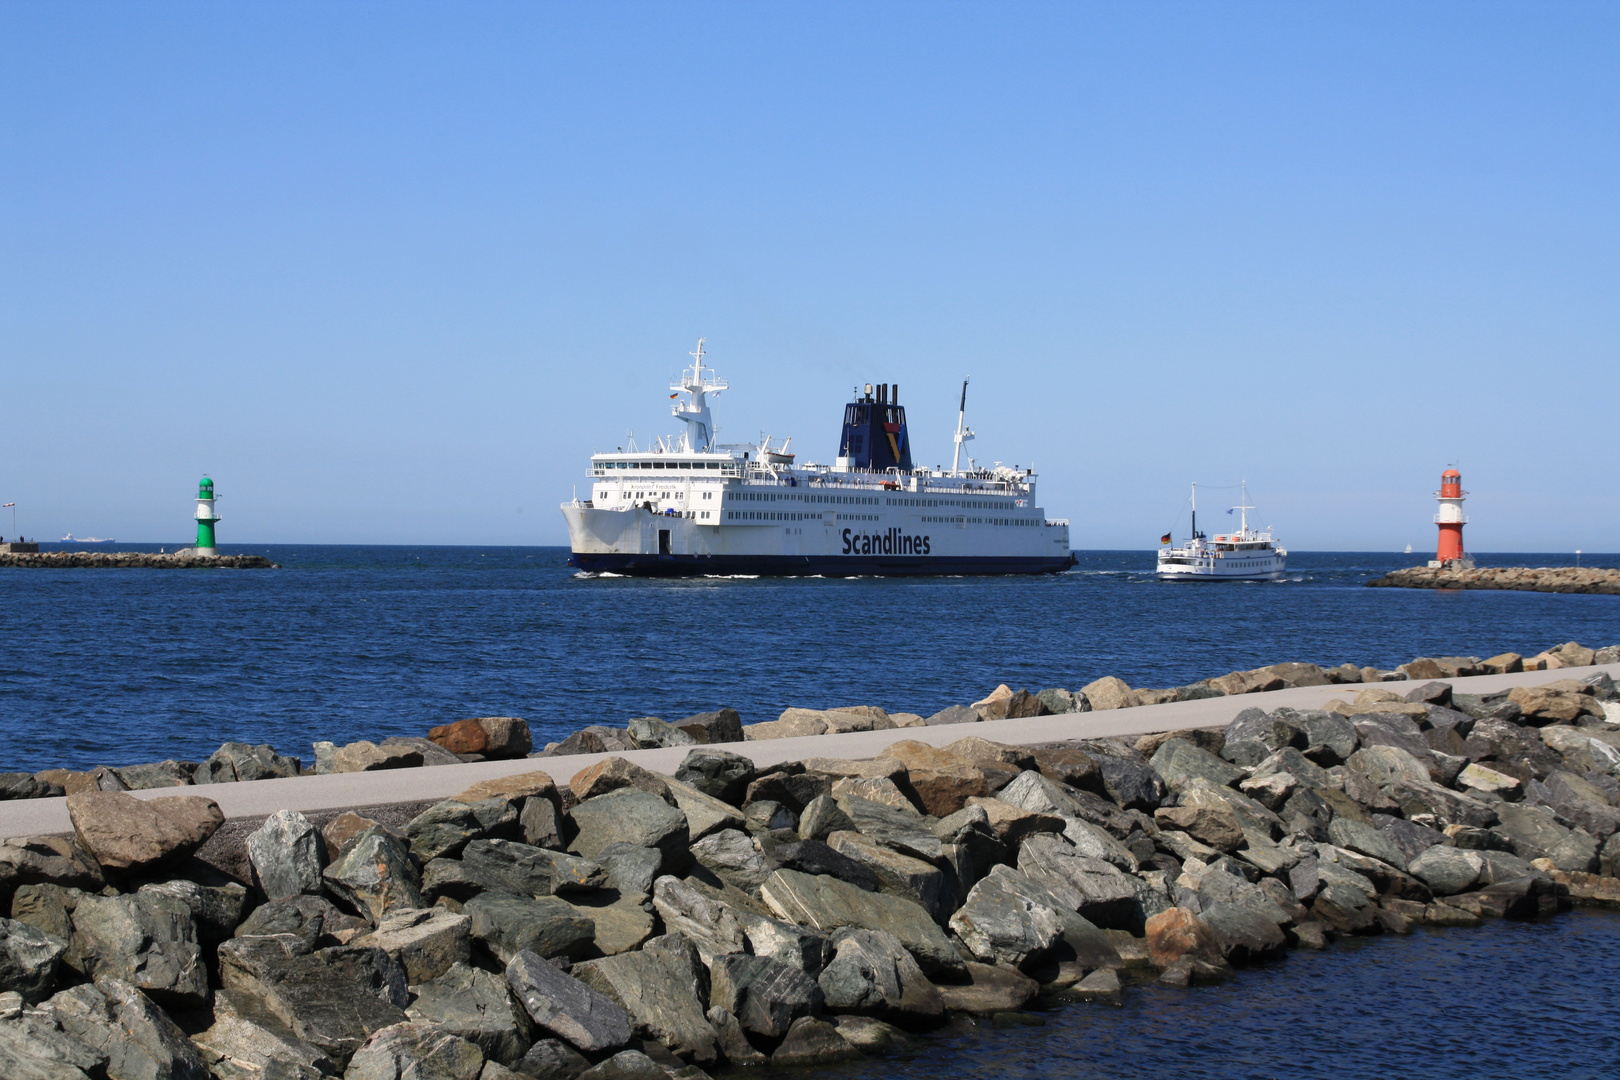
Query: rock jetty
[[631, 924], [1559, 579], [139, 559]]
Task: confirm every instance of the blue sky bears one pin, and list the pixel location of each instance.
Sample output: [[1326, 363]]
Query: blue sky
[[389, 273]]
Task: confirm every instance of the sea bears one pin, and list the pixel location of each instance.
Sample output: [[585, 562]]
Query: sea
[[123, 666], [117, 667]]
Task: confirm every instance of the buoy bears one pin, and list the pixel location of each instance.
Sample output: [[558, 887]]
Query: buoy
[[1451, 519]]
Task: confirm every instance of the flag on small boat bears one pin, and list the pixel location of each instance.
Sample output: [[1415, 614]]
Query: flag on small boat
[[1165, 539]]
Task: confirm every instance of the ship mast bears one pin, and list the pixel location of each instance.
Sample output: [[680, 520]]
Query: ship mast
[[962, 433], [1243, 527], [1195, 511], [699, 436]]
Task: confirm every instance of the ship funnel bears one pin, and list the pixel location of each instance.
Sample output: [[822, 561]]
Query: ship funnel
[[875, 435]]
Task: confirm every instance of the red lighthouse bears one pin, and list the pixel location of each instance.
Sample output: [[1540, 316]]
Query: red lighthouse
[[1451, 520]]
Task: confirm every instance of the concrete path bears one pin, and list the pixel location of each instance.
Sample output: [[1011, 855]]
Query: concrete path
[[337, 791]]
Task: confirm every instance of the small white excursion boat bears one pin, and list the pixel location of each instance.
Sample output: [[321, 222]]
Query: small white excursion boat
[[1245, 555]]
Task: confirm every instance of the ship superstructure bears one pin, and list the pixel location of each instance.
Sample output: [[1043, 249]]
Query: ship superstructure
[[1245, 555], [694, 506]]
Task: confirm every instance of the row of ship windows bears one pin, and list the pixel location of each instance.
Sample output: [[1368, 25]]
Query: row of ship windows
[[789, 515], [1019, 522], [607, 465], [771, 496]]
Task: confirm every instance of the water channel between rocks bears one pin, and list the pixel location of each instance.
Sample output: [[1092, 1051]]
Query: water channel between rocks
[[1506, 999]]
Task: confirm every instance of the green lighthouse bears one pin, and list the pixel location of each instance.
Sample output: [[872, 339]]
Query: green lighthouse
[[206, 518]]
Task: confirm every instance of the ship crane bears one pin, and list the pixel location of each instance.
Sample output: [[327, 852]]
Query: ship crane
[[963, 434]]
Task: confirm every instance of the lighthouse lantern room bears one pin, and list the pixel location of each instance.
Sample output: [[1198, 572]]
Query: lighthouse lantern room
[[1451, 519], [206, 518]]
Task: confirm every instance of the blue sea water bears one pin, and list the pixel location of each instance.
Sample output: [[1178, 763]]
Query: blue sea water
[[115, 667], [1508, 999]]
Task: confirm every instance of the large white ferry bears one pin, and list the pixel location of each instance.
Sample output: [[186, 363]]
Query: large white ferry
[[692, 506], [1245, 555]]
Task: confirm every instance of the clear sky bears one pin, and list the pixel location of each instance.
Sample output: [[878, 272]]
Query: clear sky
[[390, 272]]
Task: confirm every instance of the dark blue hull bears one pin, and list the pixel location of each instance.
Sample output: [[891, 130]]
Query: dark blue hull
[[808, 565]]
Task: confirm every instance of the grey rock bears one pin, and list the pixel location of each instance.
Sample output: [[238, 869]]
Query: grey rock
[[567, 1007], [374, 875], [626, 1065], [659, 998], [595, 739], [1291, 761], [432, 753], [1577, 852], [903, 831], [1245, 935], [1132, 784], [475, 1005], [711, 925], [630, 816], [332, 999], [149, 941], [507, 925], [734, 857], [119, 1024], [426, 942], [238, 761], [1345, 910], [302, 923], [1179, 762], [955, 714], [822, 818], [157, 774], [631, 870], [1448, 870], [815, 857], [806, 950], [828, 904], [1443, 806], [1001, 926], [720, 726], [813, 1042], [507, 866], [705, 814], [552, 1059], [540, 824], [1532, 831], [900, 875], [1245, 753], [415, 1051], [29, 958], [1581, 803], [445, 828], [216, 908], [769, 816], [765, 995], [246, 1040], [1274, 730], [287, 855], [1362, 837], [734, 1045], [33, 1046], [1097, 890], [649, 731], [21, 785], [1410, 838]]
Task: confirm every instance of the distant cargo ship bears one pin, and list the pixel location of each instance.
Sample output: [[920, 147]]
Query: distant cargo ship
[[71, 539], [692, 506]]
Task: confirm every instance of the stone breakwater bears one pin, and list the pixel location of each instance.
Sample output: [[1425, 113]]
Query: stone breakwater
[[139, 559], [505, 737], [631, 924], [1559, 579]]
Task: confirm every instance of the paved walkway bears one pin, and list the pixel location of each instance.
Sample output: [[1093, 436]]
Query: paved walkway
[[337, 791]]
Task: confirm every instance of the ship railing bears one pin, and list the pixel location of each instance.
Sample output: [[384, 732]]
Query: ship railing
[[1055, 522]]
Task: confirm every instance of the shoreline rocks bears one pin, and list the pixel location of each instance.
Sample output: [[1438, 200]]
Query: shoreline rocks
[[1556, 579], [530, 928], [144, 560]]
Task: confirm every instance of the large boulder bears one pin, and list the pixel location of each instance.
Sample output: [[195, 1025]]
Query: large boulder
[[710, 924], [415, 1051], [1179, 762], [333, 999], [658, 996], [1447, 870], [1176, 933], [246, 1040], [873, 973], [734, 857], [720, 726], [613, 774], [474, 1005], [765, 995], [900, 875], [631, 816], [507, 866], [653, 733], [148, 940], [374, 875], [367, 756], [705, 814], [717, 773], [828, 904], [507, 925], [566, 1007], [445, 828], [29, 958], [1097, 890], [287, 854], [489, 736], [122, 1028], [1109, 693], [1244, 934], [1002, 926], [127, 835], [235, 761], [425, 941]]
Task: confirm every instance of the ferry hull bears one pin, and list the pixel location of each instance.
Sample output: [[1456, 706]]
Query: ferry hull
[[814, 565]]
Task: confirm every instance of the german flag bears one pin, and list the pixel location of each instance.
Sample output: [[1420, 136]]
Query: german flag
[[1165, 539]]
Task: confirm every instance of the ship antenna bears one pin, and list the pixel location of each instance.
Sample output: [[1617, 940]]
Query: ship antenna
[[962, 433]]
